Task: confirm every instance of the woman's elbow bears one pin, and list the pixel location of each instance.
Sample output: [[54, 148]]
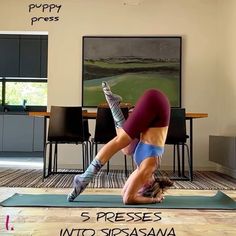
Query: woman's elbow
[[128, 199]]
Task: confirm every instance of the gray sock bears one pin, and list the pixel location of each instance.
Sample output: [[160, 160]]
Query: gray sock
[[81, 181], [113, 101]]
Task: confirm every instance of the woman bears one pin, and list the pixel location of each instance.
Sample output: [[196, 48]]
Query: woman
[[143, 134]]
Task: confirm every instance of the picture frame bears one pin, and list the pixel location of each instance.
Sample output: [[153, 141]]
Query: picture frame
[[131, 65]]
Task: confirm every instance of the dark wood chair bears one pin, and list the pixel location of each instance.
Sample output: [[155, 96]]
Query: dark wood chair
[[177, 136], [105, 130], [66, 126]]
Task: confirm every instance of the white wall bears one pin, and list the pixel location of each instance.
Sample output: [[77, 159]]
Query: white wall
[[207, 27], [226, 70], [226, 73]]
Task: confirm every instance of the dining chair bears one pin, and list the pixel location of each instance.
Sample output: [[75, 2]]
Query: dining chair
[[87, 136], [105, 131], [66, 126], [177, 136]]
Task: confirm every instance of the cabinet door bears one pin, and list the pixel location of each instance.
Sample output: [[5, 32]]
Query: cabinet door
[[30, 51], [38, 144], [9, 55], [23, 56], [1, 131], [18, 133]]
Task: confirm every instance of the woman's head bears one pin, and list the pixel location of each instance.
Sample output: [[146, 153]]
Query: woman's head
[[159, 186], [164, 183]]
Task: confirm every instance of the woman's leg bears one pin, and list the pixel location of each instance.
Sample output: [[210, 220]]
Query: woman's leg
[[104, 155], [119, 142], [113, 101]]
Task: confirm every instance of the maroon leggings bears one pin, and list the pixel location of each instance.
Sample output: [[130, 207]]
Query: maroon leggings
[[151, 110]]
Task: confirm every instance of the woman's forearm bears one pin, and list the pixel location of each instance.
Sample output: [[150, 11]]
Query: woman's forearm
[[142, 176], [138, 199]]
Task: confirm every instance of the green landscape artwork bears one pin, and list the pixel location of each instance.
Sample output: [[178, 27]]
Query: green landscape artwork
[[131, 65]]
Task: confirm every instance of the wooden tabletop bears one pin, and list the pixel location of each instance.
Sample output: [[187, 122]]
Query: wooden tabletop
[[195, 115], [93, 114]]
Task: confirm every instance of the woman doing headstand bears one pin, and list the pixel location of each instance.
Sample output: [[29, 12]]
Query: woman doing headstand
[[143, 134]]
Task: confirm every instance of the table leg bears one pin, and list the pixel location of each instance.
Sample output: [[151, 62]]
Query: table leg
[[191, 148], [183, 160]]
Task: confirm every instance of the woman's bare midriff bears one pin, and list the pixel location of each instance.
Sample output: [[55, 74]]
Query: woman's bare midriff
[[155, 136]]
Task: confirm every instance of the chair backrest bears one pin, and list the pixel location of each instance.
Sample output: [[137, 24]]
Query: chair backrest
[[66, 124], [105, 126], [177, 127], [86, 128]]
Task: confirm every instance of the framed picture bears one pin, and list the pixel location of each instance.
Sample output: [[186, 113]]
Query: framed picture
[[131, 65]]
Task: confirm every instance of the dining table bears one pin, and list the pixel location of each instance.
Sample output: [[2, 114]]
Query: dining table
[[87, 114]]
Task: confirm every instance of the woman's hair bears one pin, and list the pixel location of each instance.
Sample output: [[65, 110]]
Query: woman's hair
[[159, 185], [164, 182]]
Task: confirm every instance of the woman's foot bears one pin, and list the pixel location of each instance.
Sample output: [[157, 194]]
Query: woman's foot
[[81, 181], [79, 187], [112, 99]]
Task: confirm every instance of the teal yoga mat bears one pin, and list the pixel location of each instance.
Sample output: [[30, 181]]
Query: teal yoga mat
[[218, 201]]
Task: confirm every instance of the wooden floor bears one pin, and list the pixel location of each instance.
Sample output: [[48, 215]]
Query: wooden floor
[[69, 221]]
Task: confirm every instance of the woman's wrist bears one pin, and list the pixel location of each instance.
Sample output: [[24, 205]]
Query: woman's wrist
[[153, 200]]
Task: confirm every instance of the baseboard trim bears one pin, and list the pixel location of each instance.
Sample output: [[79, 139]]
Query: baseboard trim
[[227, 171], [121, 167], [21, 154]]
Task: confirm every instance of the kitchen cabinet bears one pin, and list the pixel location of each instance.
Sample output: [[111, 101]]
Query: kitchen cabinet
[[23, 56], [21, 133]]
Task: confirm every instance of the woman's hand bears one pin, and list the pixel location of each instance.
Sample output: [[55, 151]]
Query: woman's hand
[[158, 199]]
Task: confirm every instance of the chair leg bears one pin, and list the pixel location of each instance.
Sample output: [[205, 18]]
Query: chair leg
[[126, 171], [183, 160], [108, 167], [189, 163], [55, 158], [45, 161], [178, 159], [90, 152], [174, 151], [96, 150], [132, 163], [50, 160], [84, 156]]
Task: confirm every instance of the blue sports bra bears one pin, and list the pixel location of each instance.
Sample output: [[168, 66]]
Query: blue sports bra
[[144, 150]]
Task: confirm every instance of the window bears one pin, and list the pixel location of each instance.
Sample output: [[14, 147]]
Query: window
[[23, 71], [32, 92]]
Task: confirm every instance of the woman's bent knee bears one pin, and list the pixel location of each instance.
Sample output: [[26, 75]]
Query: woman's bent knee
[[123, 139]]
